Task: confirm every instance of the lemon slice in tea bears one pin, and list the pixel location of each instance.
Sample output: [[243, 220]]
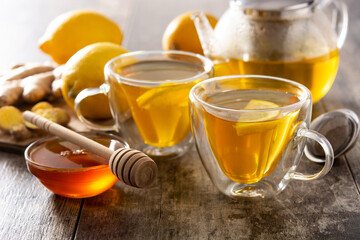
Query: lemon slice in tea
[[259, 116], [257, 121], [164, 96]]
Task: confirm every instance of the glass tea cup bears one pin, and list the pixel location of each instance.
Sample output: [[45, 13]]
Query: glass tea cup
[[250, 132], [156, 86]]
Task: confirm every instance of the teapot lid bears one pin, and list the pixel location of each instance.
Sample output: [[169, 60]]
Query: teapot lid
[[274, 5], [277, 8]]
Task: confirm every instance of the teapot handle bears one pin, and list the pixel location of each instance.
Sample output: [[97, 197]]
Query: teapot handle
[[340, 21]]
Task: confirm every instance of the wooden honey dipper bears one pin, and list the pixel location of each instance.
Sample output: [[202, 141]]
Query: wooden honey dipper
[[130, 166]]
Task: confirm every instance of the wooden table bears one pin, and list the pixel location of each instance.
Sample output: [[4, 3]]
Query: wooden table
[[183, 203]]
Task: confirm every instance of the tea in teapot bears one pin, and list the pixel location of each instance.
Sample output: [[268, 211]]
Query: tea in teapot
[[294, 39]]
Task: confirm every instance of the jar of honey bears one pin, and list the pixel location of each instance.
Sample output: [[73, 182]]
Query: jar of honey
[[70, 171]]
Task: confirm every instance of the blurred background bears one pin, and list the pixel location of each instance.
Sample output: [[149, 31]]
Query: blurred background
[[20, 44]]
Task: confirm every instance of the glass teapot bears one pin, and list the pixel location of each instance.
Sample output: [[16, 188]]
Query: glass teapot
[[294, 39]]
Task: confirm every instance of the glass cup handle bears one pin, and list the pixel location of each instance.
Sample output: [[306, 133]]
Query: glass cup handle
[[87, 92], [329, 156], [340, 21]]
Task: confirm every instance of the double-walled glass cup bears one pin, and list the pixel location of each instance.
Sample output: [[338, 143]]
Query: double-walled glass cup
[[156, 86], [250, 132]]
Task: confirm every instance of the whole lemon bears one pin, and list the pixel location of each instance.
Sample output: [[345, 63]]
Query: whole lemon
[[181, 34], [85, 69], [71, 31]]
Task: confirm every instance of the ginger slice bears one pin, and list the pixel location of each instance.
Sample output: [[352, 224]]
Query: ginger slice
[[12, 122], [62, 116], [41, 105], [10, 116], [19, 132], [46, 110]]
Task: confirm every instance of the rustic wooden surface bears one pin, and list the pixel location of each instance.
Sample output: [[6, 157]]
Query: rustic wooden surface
[[183, 203]]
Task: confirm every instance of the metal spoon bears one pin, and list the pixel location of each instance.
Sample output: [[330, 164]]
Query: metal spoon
[[340, 127]]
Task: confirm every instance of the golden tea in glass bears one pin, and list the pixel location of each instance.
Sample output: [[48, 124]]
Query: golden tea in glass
[[248, 148], [249, 131], [317, 74], [156, 86], [161, 112]]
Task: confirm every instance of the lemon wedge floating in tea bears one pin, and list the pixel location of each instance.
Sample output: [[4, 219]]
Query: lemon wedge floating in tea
[[257, 121], [267, 125], [164, 96], [259, 116]]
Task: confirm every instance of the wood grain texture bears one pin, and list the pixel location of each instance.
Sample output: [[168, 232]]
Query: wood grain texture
[[182, 203], [345, 92], [27, 209]]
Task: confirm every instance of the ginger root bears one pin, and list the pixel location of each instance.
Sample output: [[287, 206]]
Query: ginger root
[[62, 117], [57, 115], [9, 116], [11, 122], [25, 71], [56, 85], [29, 83], [17, 65], [20, 132], [10, 93], [41, 105], [58, 71], [46, 110], [37, 86], [56, 88]]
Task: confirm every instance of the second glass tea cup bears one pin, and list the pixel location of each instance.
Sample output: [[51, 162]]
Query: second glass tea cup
[[250, 132], [156, 86]]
